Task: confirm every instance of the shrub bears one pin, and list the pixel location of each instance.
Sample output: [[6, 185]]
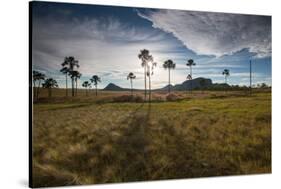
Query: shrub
[[172, 97], [158, 98], [128, 98]]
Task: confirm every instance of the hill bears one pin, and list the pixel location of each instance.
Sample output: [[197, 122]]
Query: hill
[[196, 83], [113, 87]]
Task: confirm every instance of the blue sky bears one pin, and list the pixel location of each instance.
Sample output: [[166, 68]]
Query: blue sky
[[107, 39]]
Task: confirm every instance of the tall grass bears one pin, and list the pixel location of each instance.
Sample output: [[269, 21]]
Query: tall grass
[[87, 143]]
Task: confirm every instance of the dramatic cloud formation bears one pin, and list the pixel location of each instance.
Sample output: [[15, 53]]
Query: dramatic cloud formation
[[107, 40], [101, 46], [215, 33]]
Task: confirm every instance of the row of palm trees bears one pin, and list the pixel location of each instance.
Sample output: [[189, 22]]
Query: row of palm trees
[[70, 69], [87, 84], [49, 83], [148, 64], [38, 77]]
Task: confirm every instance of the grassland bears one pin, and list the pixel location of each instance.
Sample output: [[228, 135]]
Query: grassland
[[89, 140]]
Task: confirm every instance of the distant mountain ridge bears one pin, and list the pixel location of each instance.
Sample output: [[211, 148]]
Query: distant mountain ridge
[[196, 83], [113, 87]]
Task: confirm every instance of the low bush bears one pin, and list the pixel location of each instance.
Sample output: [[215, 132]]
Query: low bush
[[128, 98], [173, 97]]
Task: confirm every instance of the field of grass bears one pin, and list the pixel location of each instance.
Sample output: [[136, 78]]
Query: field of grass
[[89, 140]]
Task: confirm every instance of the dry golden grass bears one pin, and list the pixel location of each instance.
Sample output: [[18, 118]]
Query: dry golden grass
[[89, 140]]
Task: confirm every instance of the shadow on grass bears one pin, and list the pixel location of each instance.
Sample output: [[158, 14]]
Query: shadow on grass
[[108, 157], [141, 148], [70, 106]]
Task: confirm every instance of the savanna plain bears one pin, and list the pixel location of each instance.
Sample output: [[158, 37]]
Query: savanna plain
[[115, 137]]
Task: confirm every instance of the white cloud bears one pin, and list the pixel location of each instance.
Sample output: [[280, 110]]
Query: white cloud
[[100, 47], [215, 33], [109, 49]]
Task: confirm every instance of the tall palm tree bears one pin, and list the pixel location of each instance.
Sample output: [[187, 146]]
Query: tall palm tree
[[37, 76], [145, 57], [71, 64], [150, 68], [190, 63], [76, 80], [49, 84], [96, 79], [188, 78], [65, 71], [75, 75], [130, 77], [86, 84], [226, 74], [169, 64]]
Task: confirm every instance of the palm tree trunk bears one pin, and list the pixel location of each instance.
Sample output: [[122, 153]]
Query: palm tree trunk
[[37, 92], [34, 90], [72, 83], [96, 90], [66, 89], [76, 87], [50, 92], [191, 79], [169, 82], [149, 88], [145, 83], [225, 84], [250, 77], [131, 87]]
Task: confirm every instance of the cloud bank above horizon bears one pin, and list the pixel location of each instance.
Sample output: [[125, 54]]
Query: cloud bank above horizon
[[106, 41], [217, 34]]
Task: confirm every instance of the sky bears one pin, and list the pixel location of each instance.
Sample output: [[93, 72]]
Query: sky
[[106, 40]]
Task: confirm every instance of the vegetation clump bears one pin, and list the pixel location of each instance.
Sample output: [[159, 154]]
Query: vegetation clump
[[128, 98], [173, 97]]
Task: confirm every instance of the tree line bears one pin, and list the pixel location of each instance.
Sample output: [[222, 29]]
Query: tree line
[[70, 68]]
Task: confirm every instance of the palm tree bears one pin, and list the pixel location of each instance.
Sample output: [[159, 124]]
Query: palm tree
[[226, 74], [71, 64], [130, 77], [145, 58], [190, 63], [169, 64], [150, 68], [49, 84], [75, 75], [76, 81], [86, 84], [250, 77], [37, 76], [65, 70], [189, 78], [95, 79]]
